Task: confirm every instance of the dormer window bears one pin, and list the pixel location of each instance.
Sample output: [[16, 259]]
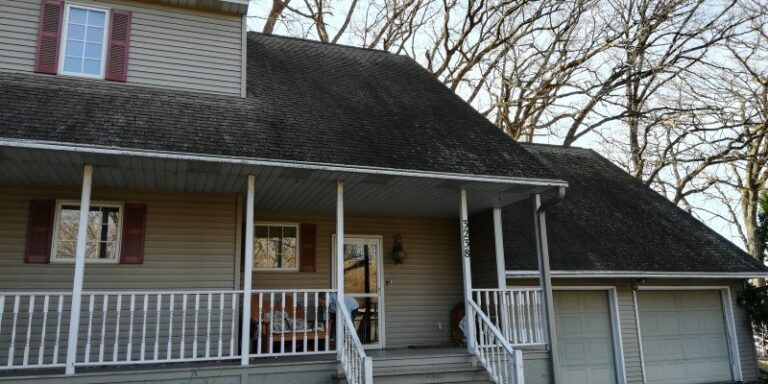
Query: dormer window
[[83, 41], [83, 37]]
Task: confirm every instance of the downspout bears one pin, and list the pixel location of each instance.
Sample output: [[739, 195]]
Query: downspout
[[545, 278]]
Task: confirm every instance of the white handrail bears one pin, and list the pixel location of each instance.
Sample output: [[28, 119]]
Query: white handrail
[[358, 367], [502, 362]]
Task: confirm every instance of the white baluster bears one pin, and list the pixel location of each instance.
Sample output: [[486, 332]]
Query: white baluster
[[282, 334], [293, 332], [317, 319], [41, 350], [232, 327], [59, 312], [271, 320], [221, 324], [89, 334], [118, 310], [30, 318], [208, 330], [306, 322], [12, 347], [197, 315], [104, 307], [144, 308], [129, 350], [169, 354], [2, 312], [157, 326], [183, 323], [259, 335]]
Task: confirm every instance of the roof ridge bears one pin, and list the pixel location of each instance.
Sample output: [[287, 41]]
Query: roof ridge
[[324, 43]]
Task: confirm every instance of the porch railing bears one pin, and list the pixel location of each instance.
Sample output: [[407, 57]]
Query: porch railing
[[503, 363], [286, 322], [518, 313], [358, 367], [143, 327]]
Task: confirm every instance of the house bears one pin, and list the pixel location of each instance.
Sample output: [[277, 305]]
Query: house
[[184, 201], [643, 292]]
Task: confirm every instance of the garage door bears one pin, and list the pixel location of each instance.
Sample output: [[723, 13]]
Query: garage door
[[585, 338], [684, 336]]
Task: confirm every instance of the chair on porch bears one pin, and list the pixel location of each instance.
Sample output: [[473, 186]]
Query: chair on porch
[[277, 325]]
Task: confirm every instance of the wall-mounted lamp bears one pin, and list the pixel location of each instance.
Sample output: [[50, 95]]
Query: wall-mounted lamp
[[398, 254]]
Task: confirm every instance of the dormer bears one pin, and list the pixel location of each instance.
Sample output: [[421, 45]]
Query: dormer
[[193, 45]]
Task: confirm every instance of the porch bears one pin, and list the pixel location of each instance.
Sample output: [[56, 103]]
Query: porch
[[135, 315]]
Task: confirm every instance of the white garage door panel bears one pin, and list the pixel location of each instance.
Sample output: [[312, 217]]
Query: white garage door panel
[[684, 337], [584, 337]]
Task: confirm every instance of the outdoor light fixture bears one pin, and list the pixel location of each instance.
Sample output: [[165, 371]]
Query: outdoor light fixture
[[398, 254]]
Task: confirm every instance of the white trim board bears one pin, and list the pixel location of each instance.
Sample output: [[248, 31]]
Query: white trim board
[[730, 326], [168, 155], [635, 274]]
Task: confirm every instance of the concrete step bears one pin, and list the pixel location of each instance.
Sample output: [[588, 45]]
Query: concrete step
[[426, 368]]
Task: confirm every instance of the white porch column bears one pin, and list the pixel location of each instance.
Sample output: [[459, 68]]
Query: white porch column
[[77, 284], [501, 266], [467, 269], [245, 332], [498, 240], [545, 280], [339, 267]]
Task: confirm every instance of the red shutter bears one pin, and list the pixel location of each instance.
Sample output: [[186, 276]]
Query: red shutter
[[134, 224], [40, 231], [308, 248], [49, 30], [119, 40]]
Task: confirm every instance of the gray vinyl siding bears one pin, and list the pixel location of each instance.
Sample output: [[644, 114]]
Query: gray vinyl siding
[[423, 290], [190, 244], [169, 47], [536, 373]]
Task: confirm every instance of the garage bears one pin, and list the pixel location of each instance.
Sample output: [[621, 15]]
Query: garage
[[684, 336], [585, 337]]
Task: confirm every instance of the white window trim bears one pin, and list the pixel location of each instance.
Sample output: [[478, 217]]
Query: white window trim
[[63, 41], [730, 324], [298, 246], [57, 217]]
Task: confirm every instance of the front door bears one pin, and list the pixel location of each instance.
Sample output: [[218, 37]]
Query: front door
[[363, 281]]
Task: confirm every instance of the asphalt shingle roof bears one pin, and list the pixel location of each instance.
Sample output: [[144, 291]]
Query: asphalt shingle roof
[[306, 101], [609, 221]]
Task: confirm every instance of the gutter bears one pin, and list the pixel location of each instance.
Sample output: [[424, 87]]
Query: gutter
[[260, 162], [637, 274]]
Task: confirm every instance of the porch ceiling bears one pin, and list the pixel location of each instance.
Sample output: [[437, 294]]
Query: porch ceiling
[[278, 188]]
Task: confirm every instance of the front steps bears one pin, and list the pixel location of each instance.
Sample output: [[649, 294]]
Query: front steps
[[426, 367]]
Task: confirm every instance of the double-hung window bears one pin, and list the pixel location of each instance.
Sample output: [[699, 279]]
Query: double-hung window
[[84, 39], [276, 247], [102, 243]]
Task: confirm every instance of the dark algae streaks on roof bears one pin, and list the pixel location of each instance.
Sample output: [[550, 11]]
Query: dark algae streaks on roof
[[610, 221], [306, 101]]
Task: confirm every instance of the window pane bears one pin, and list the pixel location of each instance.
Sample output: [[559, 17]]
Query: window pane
[[72, 64], [92, 50], [75, 32], [75, 49], [77, 15], [94, 34], [91, 66], [96, 18]]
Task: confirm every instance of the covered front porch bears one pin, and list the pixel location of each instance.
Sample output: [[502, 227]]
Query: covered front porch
[[190, 299]]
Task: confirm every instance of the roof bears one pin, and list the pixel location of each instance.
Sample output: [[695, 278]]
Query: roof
[[610, 221], [306, 101]]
